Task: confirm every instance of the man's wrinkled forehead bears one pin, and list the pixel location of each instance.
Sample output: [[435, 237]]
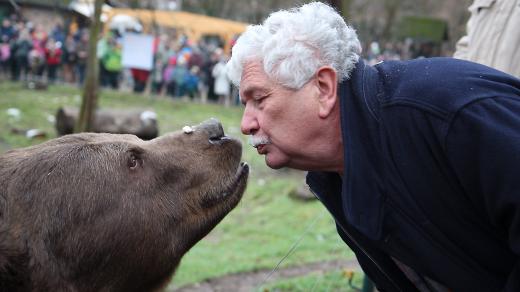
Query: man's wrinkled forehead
[[253, 79], [252, 70]]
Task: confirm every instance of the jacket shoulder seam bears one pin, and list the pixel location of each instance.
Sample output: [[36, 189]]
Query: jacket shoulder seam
[[404, 101], [453, 117]]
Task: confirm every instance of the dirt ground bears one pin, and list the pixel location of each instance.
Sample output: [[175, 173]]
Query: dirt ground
[[248, 282]]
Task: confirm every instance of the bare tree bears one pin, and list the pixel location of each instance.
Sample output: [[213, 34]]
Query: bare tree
[[342, 6], [91, 88]]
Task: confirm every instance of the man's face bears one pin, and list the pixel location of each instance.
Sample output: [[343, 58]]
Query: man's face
[[282, 122]]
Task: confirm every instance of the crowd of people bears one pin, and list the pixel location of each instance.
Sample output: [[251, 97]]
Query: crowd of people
[[29, 51], [184, 68], [181, 68]]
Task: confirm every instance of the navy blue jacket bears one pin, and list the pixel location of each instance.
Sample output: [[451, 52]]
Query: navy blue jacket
[[431, 174]]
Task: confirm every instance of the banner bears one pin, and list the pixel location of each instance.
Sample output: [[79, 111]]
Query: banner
[[137, 51]]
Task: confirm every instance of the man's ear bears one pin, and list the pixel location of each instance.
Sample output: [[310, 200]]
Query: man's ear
[[327, 82]]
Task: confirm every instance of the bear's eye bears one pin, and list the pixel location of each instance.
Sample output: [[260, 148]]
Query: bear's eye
[[133, 161]]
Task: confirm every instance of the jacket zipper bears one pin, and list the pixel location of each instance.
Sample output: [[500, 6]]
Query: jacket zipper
[[360, 247], [463, 264]]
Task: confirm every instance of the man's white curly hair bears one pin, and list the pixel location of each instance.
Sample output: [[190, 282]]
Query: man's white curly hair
[[293, 44]]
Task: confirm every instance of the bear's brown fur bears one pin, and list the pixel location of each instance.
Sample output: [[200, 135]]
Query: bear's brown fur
[[107, 212]]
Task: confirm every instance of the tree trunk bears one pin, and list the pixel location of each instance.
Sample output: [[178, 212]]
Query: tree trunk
[[391, 8], [90, 90], [343, 7]]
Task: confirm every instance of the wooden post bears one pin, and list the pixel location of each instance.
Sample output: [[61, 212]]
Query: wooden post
[[91, 87]]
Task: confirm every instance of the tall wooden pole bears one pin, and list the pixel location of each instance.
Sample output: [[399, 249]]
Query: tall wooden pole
[[342, 6], [91, 87]]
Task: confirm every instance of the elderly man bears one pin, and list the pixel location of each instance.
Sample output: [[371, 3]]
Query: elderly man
[[417, 161]]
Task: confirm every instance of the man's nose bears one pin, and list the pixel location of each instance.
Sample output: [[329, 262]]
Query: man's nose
[[249, 124]]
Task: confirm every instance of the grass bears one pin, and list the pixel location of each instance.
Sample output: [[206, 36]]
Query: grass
[[318, 282], [256, 235], [260, 232]]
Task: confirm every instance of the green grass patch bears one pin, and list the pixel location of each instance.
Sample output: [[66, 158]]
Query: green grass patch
[[318, 282], [256, 235], [260, 232]]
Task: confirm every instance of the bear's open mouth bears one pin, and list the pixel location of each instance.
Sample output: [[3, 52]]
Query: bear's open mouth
[[234, 189], [240, 176]]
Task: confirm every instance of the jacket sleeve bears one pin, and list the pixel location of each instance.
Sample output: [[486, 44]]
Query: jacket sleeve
[[483, 146]]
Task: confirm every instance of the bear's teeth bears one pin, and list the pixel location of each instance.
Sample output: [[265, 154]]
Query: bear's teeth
[[187, 129]]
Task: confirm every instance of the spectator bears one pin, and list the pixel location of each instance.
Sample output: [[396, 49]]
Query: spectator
[[37, 53], [20, 52], [179, 76], [222, 85], [5, 57], [53, 59], [493, 36], [207, 73], [157, 76], [140, 78], [192, 82], [112, 63], [7, 31], [82, 56], [101, 50], [58, 34], [168, 79], [70, 57]]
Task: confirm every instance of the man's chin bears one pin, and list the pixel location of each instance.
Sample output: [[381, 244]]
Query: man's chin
[[274, 162]]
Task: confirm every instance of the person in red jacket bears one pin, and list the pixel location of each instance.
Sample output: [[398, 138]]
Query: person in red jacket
[[53, 54], [140, 77]]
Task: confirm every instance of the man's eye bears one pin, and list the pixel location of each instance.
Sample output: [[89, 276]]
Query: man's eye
[[257, 102], [260, 98]]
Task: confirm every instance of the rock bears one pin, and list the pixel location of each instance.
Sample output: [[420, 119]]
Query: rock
[[302, 193], [141, 123], [36, 85]]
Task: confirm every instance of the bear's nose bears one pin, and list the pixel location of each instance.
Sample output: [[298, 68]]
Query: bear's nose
[[214, 129]]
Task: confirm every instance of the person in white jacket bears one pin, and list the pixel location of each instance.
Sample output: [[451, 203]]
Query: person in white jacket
[[222, 85], [493, 35]]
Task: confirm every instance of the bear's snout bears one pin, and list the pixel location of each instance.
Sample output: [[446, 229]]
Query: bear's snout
[[213, 128], [214, 131]]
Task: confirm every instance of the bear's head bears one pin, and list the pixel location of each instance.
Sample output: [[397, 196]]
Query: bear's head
[[91, 212]]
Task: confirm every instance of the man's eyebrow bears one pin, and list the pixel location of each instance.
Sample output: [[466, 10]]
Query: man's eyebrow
[[252, 89], [248, 91]]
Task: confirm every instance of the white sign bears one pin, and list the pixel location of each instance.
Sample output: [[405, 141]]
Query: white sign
[[137, 51]]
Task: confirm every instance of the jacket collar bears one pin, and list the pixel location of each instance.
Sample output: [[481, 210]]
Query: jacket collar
[[362, 190], [362, 193]]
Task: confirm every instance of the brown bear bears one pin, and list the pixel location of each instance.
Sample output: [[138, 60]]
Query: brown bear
[[111, 212]]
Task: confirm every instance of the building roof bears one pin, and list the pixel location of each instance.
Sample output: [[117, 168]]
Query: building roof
[[62, 4], [191, 24]]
